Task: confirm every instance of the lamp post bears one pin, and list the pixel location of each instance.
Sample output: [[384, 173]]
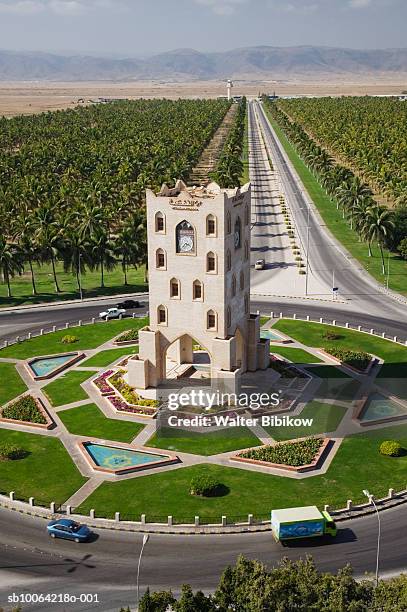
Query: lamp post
[[388, 270], [146, 537], [80, 276], [372, 501]]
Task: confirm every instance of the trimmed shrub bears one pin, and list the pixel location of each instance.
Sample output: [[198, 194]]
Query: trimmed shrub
[[69, 339], [24, 409], [330, 335], [391, 448], [8, 452], [294, 454], [204, 486]]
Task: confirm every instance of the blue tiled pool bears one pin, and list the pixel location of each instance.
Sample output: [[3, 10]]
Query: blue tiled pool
[[44, 367], [379, 407], [270, 334], [120, 459]]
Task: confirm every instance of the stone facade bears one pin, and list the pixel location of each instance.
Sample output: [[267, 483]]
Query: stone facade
[[199, 279]]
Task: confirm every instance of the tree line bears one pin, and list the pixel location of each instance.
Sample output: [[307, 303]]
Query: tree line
[[72, 183], [230, 166], [250, 586], [373, 222]]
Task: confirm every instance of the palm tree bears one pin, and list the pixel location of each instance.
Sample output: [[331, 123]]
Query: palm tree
[[23, 233], [47, 235], [102, 254], [10, 261], [379, 226], [350, 193]]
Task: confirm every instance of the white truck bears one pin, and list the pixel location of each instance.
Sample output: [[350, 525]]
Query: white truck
[[303, 522]]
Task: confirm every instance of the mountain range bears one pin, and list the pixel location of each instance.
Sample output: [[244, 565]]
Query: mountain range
[[187, 64]]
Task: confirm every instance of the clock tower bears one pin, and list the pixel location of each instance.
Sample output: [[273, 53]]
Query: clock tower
[[199, 287]]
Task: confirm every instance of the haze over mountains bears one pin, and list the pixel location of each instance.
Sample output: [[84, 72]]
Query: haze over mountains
[[187, 64]]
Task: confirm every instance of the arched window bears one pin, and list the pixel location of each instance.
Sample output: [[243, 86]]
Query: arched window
[[211, 262], [162, 315], [238, 233], [246, 250], [233, 285], [210, 225], [241, 280], [197, 290], [175, 288], [159, 222], [228, 261], [246, 304], [228, 223], [211, 320], [160, 259], [246, 215], [185, 238], [228, 316]]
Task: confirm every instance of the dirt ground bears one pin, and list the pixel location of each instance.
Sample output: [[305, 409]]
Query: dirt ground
[[27, 98]]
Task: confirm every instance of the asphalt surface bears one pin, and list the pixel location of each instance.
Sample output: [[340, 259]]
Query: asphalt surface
[[30, 562]]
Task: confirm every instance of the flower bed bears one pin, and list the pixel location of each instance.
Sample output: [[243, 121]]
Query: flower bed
[[130, 336], [294, 455], [121, 406], [356, 360], [102, 385], [128, 393], [289, 453], [27, 410]]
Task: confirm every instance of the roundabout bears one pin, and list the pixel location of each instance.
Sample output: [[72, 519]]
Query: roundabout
[[80, 410]]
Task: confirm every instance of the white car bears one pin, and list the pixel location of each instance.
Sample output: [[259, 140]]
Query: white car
[[112, 313], [260, 264]]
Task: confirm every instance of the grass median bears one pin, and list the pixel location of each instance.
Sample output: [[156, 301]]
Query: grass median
[[90, 421], [11, 383]]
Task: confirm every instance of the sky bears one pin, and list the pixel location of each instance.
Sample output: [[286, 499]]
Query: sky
[[143, 27]]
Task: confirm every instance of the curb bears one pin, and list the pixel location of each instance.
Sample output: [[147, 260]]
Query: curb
[[344, 514]]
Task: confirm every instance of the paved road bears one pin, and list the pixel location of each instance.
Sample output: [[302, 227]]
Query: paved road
[[30, 562], [327, 260]]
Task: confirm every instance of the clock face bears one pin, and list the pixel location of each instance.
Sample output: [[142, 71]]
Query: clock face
[[186, 244]]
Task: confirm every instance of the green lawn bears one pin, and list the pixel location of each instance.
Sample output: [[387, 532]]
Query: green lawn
[[312, 334], [357, 465], [105, 358], [11, 384], [263, 320], [47, 473], [90, 421], [294, 354], [232, 438], [326, 418], [114, 281], [89, 337], [339, 226], [67, 388]]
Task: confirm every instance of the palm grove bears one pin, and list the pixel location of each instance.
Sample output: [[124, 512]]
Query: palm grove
[[368, 138], [72, 183]]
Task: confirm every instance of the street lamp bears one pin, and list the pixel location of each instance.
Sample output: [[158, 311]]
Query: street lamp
[[372, 501], [80, 276], [146, 537]]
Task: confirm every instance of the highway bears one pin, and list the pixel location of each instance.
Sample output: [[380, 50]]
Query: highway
[[328, 262], [30, 562]]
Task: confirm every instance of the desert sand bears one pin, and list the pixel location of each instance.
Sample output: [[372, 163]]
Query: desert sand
[[27, 98]]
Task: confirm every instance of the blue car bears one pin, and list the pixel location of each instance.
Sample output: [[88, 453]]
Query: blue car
[[68, 530]]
